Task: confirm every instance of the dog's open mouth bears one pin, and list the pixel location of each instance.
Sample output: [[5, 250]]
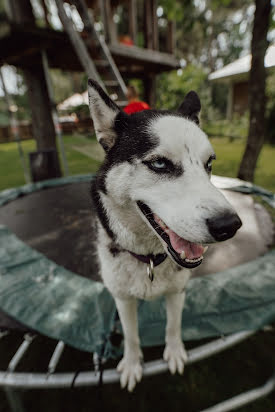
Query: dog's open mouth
[[183, 252]]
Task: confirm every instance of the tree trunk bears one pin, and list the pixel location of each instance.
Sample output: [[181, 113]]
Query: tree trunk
[[257, 96], [42, 123], [149, 83], [20, 12]]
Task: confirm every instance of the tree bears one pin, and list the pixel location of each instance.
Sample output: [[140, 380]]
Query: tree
[[257, 98], [210, 32], [21, 12]]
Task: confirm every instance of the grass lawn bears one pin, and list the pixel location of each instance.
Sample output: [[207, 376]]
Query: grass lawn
[[229, 155], [11, 173], [212, 380], [84, 156]]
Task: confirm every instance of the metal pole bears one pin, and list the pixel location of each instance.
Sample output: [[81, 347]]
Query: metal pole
[[14, 400], [90, 378], [244, 398], [54, 113], [14, 128]]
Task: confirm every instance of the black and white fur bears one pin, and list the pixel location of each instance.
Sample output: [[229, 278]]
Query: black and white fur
[[162, 160]]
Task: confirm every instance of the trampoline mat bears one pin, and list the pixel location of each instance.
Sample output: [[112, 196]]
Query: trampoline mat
[[58, 222], [80, 312]]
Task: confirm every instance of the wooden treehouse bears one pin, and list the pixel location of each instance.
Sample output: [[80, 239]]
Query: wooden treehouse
[[21, 41], [111, 40]]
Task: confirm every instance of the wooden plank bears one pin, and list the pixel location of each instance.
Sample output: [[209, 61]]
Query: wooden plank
[[148, 24], [150, 56], [103, 48], [112, 29], [149, 83], [103, 17], [133, 20], [155, 25], [22, 46], [171, 37], [78, 44]]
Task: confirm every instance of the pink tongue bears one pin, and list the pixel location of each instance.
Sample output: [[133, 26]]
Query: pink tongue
[[192, 250]]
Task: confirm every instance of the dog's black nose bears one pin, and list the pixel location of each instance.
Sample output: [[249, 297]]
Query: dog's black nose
[[224, 226]]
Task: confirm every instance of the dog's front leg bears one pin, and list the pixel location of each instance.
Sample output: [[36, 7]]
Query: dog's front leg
[[130, 365], [174, 352]]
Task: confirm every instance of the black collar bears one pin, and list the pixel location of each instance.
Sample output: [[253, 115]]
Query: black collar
[[156, 259]]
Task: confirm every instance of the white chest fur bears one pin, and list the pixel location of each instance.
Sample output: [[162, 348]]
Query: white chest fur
[[125, 276]]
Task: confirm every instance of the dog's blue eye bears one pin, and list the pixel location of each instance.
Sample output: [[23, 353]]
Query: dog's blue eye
[[158, 164], [164, 166]]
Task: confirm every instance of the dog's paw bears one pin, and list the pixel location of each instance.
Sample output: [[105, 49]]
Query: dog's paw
[[175, 355], [130, 373]]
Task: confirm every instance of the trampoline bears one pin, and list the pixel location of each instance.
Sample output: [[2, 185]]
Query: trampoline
[[49, 286]]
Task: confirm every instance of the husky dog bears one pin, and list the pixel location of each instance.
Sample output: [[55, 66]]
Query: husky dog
[[157, 211]]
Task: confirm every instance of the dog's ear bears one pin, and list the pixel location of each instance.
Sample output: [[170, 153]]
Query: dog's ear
[[191, 107], [103, 111]]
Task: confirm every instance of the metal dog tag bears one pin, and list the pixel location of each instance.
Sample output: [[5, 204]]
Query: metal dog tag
[[150, 270]]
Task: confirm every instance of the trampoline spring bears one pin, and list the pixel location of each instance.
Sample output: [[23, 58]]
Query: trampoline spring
[[96, 361], [28, 338], [55, 357], [3, 333], [268, 328]]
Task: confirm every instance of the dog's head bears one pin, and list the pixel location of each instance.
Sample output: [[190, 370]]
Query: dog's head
[[159, 163]]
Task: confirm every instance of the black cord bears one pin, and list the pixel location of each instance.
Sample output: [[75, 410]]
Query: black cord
[[74, 378]]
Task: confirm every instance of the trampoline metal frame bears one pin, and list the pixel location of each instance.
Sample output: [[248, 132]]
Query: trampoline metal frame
[[11, 381]]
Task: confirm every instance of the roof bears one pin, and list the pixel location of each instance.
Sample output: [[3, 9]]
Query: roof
[[241, 67], [75, 100]]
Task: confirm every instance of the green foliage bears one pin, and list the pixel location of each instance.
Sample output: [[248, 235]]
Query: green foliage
[[4, 118], [173, 86], [210, 32], [22, 102], [181, 11], [234, 129], [62, 85], [23, 112], [82, 111], [2, 6], [219, 97]]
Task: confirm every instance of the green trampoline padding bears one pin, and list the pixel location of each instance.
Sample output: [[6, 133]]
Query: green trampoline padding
[[13, 193], [220, 181], [60, 304], [55, 302]]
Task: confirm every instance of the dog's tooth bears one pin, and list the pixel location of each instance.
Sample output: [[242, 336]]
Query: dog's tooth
[[194, 260], [205, 249], [182, 255]]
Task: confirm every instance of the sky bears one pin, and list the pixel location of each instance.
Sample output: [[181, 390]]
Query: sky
[[10, 79]]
